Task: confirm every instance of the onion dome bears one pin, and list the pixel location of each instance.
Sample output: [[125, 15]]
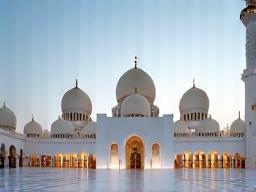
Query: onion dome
[[76, 101], [46, 133], [194, 100], [135, 105], [33, 129], [135, 77], [181, 127], [238, 126], [89, 128], [208, 125], [62, 127], [7, 119]]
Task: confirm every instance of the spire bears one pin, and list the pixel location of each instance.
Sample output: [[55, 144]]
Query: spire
[[32, 117], [4, 105], [135, 61], [194, 83], [239, 115], [76, 83]]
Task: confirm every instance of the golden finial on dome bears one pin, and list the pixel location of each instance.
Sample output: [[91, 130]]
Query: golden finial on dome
[[76, 83], [135, 61]]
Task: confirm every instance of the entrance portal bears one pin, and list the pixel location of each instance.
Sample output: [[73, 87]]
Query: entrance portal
[[134, 150], [12, 157]]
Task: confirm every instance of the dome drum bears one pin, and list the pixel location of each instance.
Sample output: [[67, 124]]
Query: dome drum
[[194, 116], [69, 116]]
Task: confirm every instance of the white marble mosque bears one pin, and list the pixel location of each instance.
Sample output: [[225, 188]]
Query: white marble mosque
[[135, 136]]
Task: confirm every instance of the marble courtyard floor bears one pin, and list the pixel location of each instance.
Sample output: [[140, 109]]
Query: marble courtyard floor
[[54, 179]]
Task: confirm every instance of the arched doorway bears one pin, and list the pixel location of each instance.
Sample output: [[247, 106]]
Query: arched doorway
[[34, 161], [155, 155], [21, 158], [214, 159], [74, 160], [188, 159], [58, 160], [200, 159], [239, 161], [134, 152], [114, 160], [2, 156], [12, 157], [46, 161], [83, 163], [226, 160], [178, 162], [92, 161]]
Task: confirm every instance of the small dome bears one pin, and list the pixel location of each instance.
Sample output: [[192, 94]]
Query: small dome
[[181, 127], [7, 118], [208, 125], [194, 100], [89, 128], [62, 127], [135, 77], [33, 128], [46, 133], [135, 104], [238, 126], [76, 101]]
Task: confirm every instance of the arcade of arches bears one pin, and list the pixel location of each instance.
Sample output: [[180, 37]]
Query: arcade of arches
[[62, 160], [200, 159], [134, 151], [12, 158]]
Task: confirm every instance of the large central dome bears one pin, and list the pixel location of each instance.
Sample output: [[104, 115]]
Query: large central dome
[[135, 78]]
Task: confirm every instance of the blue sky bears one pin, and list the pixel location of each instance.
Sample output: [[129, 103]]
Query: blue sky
[[45, 45]]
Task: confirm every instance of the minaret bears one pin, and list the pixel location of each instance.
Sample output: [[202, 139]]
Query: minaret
[[248, 17]]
